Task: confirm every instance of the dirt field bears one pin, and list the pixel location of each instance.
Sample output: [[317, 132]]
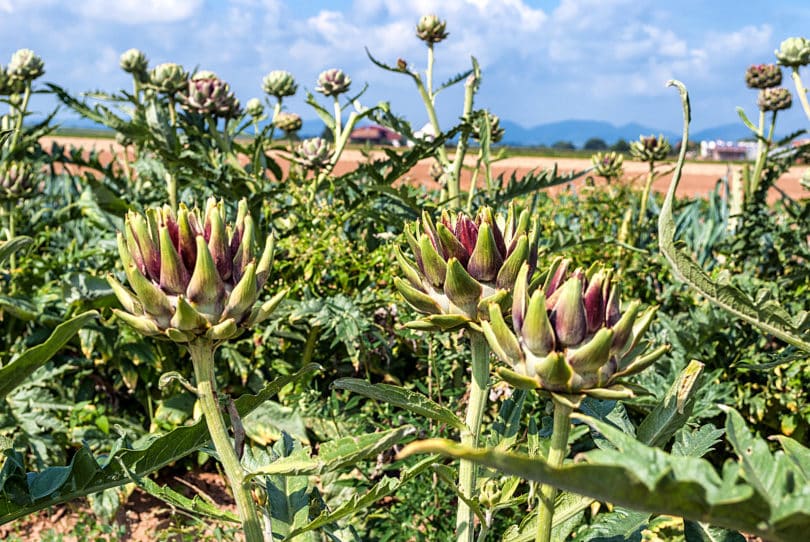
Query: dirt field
[[698, 177]]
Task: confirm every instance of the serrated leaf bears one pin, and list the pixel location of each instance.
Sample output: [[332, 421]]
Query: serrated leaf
[[13, 245], [567, 507], [397, 396], [620, 524], [674, 409], [700, 532], [696, 443], [195, 505]]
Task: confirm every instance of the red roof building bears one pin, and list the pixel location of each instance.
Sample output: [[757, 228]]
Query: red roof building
[[376, 135]]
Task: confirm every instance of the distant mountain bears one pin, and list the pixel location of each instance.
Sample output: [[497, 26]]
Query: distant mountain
[[726, 132], [575, 131]]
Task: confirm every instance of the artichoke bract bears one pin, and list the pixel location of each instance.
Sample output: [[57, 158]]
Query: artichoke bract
[[763, 76], [192, 275], [333, 82], [462, 264], [570, 335], [774, 99], [207, 94], [431, 29]]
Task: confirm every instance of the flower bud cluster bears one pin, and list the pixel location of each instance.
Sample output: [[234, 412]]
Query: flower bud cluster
[[333, 82], [16, 180], [134, 62], [763, 76], [207, 94], [279, 83], [289, 123], [313, 153], [774, 99], [609, 165], [794, 52], [25, 66], [169, 78], [650, 148], [431, 29]]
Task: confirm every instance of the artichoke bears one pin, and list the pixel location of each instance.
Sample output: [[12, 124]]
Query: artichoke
[[431, 29], [255, 108], [313, 153], [191, 274], [288, 123], [763, 76], [496, 132], [133, 61], [774, 99], [279, 83], [794, 52], [16, 180], [333, 82], [609, 165], [570, 335], [207, 94], [169, 78], [462, 264], [25, 65], [650, 148]]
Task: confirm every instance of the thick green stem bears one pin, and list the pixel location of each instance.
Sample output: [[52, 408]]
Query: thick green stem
[[753, 181], [12, 259], [763, 153], [429, 73], [556, 455], [20, 117], [434, 120], [454, 183], [338, 119], [801, 91], [646, 194], [475, 412], [202, 356]]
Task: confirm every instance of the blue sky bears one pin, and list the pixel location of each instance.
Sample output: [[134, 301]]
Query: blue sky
[[542, 61]]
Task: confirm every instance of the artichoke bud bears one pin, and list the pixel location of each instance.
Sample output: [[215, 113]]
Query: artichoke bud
[[333, 82], [608, 165], [279, 83], [650, 148], [462, 263], [255, 108], [431, 29], [313, 153], [16, 180], [206, 94], [794, 52], [763, 76], [192, 275], [574, 340], [288, 122], [774, 99], [134, 62], [169, 78], [25, 66]]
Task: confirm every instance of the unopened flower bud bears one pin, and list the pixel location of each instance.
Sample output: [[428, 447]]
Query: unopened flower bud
[[496, 132], [333, 82], [16, 180], [288, 122], [279, 83], [763, 76], [210, 96], [313, 153], [650, 148], [794, 52], [608, 165], [25, 65], [774, 99], [255, 108], [134, 62], [168, 77], [431, 29]]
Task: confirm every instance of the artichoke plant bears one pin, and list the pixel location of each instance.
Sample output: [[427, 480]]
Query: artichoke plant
[[169, 78], [570, 335], [207, 94], [462, 264], [25, 66], [134, 62], [794, 52], [279, 83], [431, 29], [333, 82], [313, 153], [774, 99], [650, 148], [763, 76], [192, 275]]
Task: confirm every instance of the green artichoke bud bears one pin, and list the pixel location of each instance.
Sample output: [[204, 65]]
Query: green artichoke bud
[[650, 149], [169, 78], [462, 264], [192, 275], [208, 95], [279, 83], [25, 66], [570, 335], [431, 29], [333, 82], [774, 99], [16, 180], [288, 122], [763, 76], [496, 132], [313, 153], [794, 52], [609, 165], [255, 108], [134, 62]]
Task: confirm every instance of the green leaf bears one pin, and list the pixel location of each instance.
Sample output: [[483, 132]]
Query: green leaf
[[696, 443], [336, 454], [13, 245], [89, 474], [798, 454], [287, 497], [397, 396], [13, 374], [620, 524], [325, 115], [768, 317], [567, 507], [196, 505], [674, 410], [700, 532]]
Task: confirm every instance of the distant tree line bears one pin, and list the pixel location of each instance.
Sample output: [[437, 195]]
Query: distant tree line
[[593, 144]]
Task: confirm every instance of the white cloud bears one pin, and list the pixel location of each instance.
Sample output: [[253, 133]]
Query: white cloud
[[137, 11]]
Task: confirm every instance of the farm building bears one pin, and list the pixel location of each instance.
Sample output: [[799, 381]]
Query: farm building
[[728, 150], [377, 135]]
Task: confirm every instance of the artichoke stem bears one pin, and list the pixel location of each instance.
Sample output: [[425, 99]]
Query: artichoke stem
[[475, 412], [642, 215], [202, 356], [556, 454], [12, 259], [454, 183], [801, 91]]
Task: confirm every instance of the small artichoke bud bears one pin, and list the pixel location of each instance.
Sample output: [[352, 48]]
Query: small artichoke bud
[[288, 122], [609, 165], [431, 29], [763, 76], [774, 99], [16, 180], [204, 74], [574, 341], [25, 66], [255, 108], [209, 96], [461, 264], [192, 275], [169, 78], [279, 83], [134, 62], [313, 153], [496, 132], [794, 52], [650, 148], [402, 64], [333, 82]]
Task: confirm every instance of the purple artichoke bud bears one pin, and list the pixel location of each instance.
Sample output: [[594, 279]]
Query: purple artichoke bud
[[25, 66], [333, 82], [255, 108], [461, 264], [431, 29], [169, 78], [763, 76], [794, 52], [609, 165], [192, 275], [289, 123], [313, 153], [774, 99], [134, 62], [574, 341], [279, 83], [650, 148], [206, 95], [16, 180]]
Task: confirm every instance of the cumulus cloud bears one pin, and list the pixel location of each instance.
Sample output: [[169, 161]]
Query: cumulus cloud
[[135, 12]]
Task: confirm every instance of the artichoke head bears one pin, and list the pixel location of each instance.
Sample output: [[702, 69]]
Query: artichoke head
[[206, 94], [333, 82], [763, 76], [431, 29], [650, 148], [774, 99]]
